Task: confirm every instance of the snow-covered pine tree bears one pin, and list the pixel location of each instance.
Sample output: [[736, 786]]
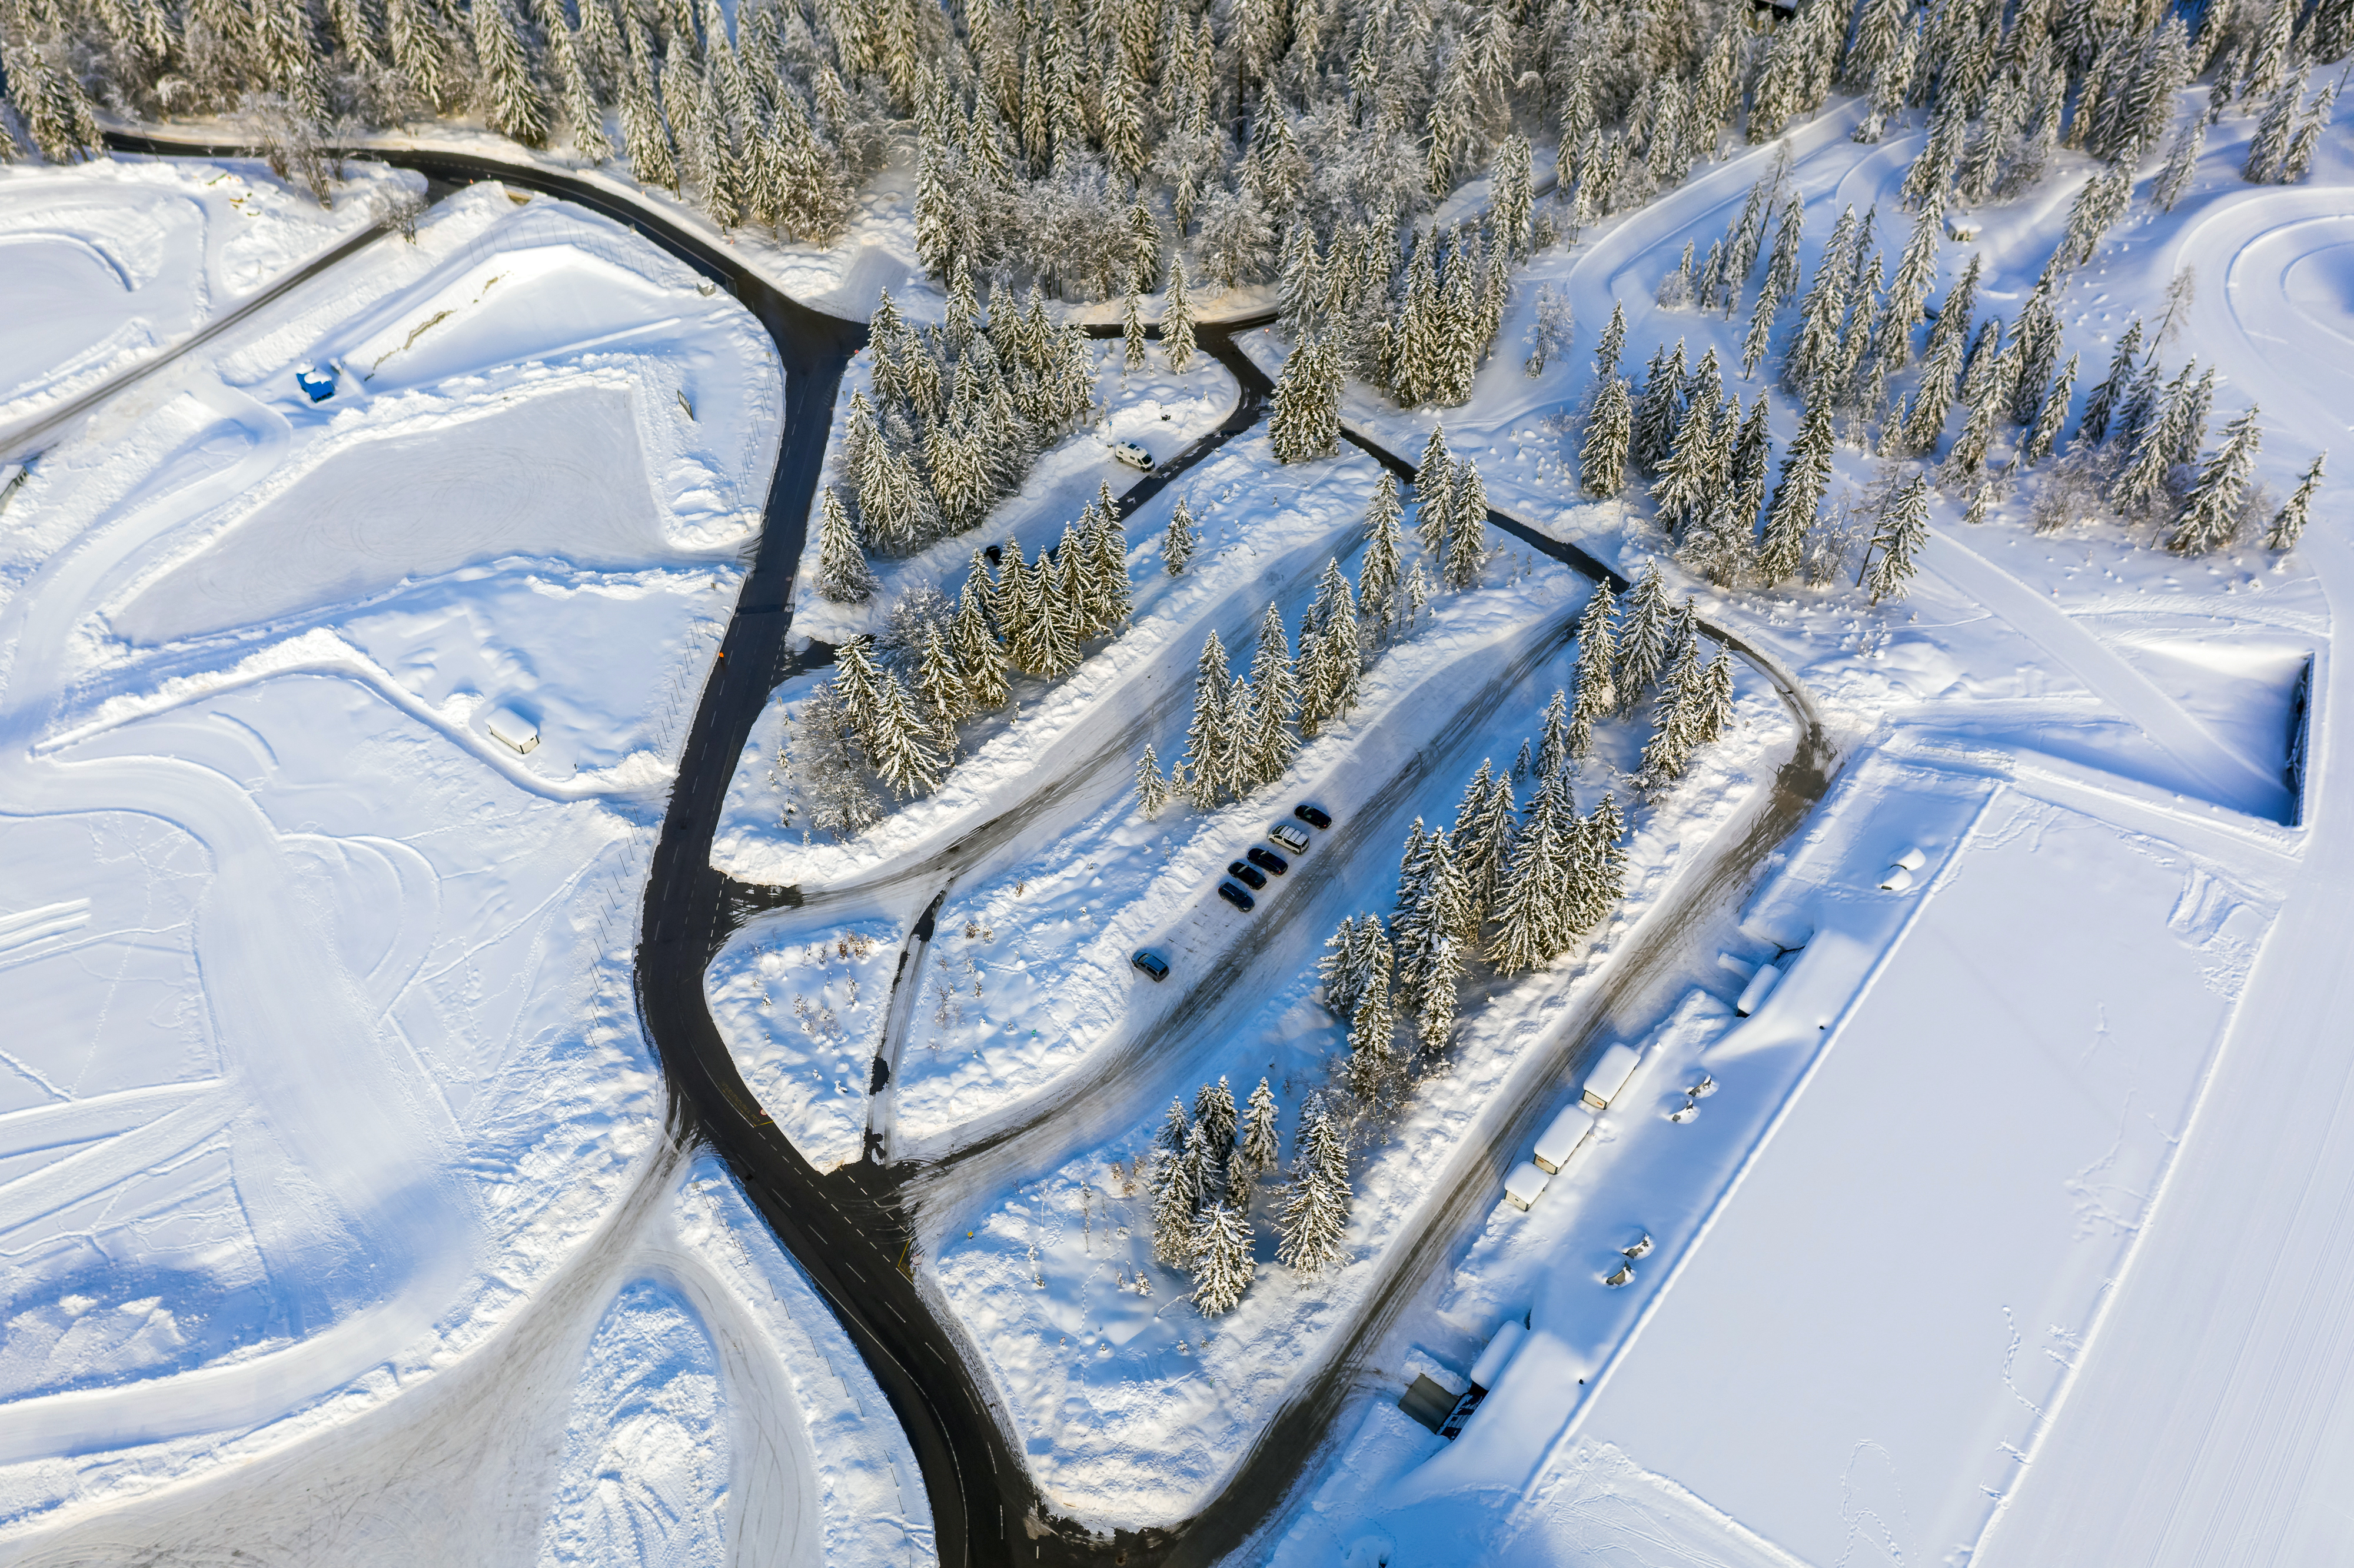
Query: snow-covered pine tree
[[1341, 968], [1177, 544], [1377, 573], [2103, 403], [1210, 738], [2209, 518], [2288, 523], [1601, 456], [1658, 412], [1372, 1030], [1985, 391], [1176, 1189], [1318, 1200], [1435, 1012], [1602, 865], [2049, 419], [2298, 162], [1256, 1152], [1523, 913], [1152, 787], [1677, 716], [1434, 481], [1111, 602], [1646, 623], [1467, 526], [1274, 703], [512, 105], [1797, 498], [842, 572], [584, 116], [981, 657], [2181, 163], [900, 743], [1694, 474], [2269, 145], [1716, 712], [1941, 370], [1597, 692], [1214, 1121], [1306, 421], [1614, 342], [1133, 355], [940, 691], [1556, 745], [2158, 447], [1904, 529], [1177, 320], [1299, 281], [1482, 836], [1550, 331]]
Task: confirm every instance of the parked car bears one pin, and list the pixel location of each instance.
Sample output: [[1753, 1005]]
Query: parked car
[[1247, 873], [1314, 816], [1290, 837], [1267, 860], [1133, 455], [1151, 963], [1238, 897]]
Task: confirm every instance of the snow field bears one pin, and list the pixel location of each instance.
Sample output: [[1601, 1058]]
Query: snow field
[[2044, 640], [109, 262], [802, 1012], [1132, 1409], [334, 1057], [1888, 1236], [1161, 410], [1267, 531]]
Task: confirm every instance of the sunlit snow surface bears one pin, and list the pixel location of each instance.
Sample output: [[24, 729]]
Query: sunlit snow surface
[[323, 1049]]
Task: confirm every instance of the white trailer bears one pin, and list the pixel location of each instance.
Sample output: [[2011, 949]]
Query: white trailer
[[1525, 1185], [1754, 994], [511, 729], [1609, 1075], [1559, 1141], [1498, 1355]]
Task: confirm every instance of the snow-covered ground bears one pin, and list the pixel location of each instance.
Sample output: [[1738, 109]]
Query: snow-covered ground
[[328, 1063], [110, 263]]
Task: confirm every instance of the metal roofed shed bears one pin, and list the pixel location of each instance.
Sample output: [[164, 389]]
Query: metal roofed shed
[[1559, 1141], [513, 730], [1609, 1075], [1525, 1185]]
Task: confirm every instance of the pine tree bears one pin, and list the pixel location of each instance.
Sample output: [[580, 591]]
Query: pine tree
[[1132, 331], [1176, 1189], [1305, 421], [2210, 513], [1557, 747], [1434, 501], [1317, 1202], [1467, 528], [1377, 573], [1274, 703], [2102, 405], [2269, 145], [1177, 544], [512, 105], [1597, 692], [1716, 713], [1209, 740], [2051, 417], [1658, 411], [842, 574], [1371, 1029], [1904, 529], [900, 744], [1152, 786], [1258, 1151], [2181, 164], [1177, 320], [1694, 474], [1645, 626], [1482, 836], [1677, 716], [1341, 968], [2288, 523], [1797, 497], [1614, 341], [1602, 457], [940, 691], [1523, 906], [981, 657]]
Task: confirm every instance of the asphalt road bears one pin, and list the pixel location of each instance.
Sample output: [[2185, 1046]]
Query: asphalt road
[[850, 1228]]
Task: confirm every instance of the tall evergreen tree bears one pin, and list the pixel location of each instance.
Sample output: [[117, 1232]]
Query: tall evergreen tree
[[2210, 513], [1598, 691], [1645, 626], [843, 575], [1377, 573], [2288, 523], [1274, 701], [1797, 497], [1602, 457], [1467, 528], [1318, 1201], [1177, 544], [1177, 320], [1904, 529], [1208, 765]]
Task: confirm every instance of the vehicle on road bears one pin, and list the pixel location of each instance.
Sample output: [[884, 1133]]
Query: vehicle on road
[[1151, 963], [1134, 456], [1247, 873], [1290, 837], [1267, 859], [1314, 816], [1238, 897]]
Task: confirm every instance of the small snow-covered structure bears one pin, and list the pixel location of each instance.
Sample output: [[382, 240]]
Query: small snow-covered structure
[[1525, 1185], [510, 728], [318, 381], [1625, 1275], [1498, 1355], [1912, 859], [1754, 994], [1559, 1141], [1611, 1073], [1897, 880]]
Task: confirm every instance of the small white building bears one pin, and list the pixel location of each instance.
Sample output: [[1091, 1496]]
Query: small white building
[[1559, 1141], [1609, 1075], [511, 729], [1525, 1185], [1754, 994]]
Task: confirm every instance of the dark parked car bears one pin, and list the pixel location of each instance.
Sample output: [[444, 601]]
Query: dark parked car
[[1267, 859], [1245, 874], [1152, 964], [1236, 897], [1314, 816]]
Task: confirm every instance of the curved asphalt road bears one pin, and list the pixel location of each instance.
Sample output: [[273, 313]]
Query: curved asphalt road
[[849, 1228]]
